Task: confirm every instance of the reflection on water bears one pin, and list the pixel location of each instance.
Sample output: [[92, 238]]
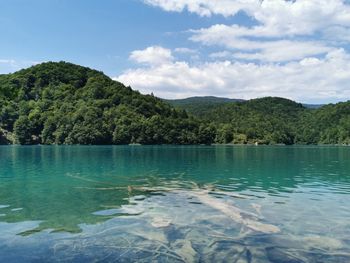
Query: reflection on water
[[179, 204]]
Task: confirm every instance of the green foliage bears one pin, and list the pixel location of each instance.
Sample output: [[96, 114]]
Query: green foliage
[[62, 103], [206, 134], [200, 106], [23, 129], [3, 139], [267, 120], [273, 121]]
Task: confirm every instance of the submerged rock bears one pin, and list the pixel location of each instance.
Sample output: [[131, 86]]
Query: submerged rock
[[160, 222], [277, 255], [233, 212], [322, 242], [184, 249]]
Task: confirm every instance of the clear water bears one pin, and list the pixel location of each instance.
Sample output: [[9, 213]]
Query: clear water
[[174, 204]]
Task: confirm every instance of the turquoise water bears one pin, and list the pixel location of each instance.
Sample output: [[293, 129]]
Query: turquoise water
[[174, 204]]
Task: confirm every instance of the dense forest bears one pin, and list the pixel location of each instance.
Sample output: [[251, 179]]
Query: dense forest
[[200, 106], [272, 121], [62, 103]]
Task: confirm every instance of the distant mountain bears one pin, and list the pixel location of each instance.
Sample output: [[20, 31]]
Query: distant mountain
[[199, 106], [191, 103], [202, 99], [313, 106], [271, 120]]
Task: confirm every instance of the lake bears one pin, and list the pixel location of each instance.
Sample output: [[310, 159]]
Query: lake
[[174, 204]]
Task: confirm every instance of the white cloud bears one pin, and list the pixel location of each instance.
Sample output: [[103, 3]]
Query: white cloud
[[284, 50], [154, 55], [310, 79], [206, 7], [266, 50], [7, 61], [281, 30], [221, 54], [276, 16], [295, 49], [185, 50], [300, 17]]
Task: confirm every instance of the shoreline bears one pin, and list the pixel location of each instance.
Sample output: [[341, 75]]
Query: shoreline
[[189, 145]]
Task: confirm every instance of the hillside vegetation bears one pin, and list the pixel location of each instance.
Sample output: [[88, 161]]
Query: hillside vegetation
[[271, 120], [62, 103], [200, 106]]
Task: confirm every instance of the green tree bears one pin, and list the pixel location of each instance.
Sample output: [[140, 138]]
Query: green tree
[[23, 130]]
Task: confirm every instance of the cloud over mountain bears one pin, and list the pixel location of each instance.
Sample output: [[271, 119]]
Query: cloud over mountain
[[296, 49]]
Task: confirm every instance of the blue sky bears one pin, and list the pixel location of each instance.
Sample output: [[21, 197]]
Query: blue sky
[[99, 34], [179, 48]]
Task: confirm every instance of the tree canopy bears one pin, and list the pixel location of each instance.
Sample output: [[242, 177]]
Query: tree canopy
[[63, 103], [272, 120]]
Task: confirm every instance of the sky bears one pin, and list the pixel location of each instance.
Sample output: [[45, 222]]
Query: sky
[[297, 49]]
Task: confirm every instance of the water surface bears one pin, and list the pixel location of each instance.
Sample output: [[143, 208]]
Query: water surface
[[174, 204]]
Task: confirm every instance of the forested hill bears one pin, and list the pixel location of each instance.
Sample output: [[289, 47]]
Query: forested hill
[[265, 120], [62, 103], [276, 120], [271, 120], [199, 106]]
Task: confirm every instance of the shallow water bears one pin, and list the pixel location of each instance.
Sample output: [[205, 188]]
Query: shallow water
[[174, 204]]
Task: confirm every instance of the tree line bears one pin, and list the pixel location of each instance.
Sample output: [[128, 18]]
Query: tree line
[[62, 103]]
